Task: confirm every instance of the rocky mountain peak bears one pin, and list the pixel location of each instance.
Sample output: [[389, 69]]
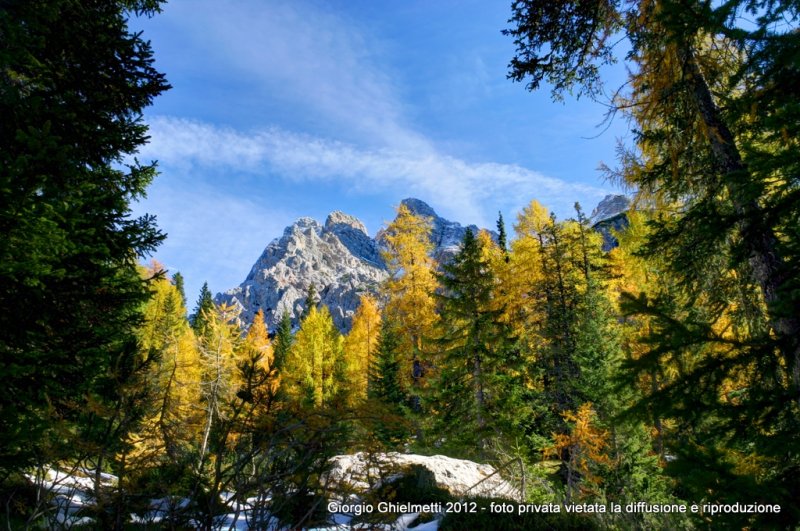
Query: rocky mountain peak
[[339, 259], [611, 206], [446, 235], [338, 220], [301, 225], [609, 217], [342, 262], [419, 207]]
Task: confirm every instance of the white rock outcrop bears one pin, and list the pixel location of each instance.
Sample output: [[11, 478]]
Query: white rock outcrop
[[458, 476]]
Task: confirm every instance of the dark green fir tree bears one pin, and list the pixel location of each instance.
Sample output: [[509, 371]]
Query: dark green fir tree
[[202, 311], [385, 388], [474, 351], [74, 83], [502, 238], [283, 340], [177, 280], [311, 300]]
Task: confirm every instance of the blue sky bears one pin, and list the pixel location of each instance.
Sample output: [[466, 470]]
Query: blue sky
[[282, 109]]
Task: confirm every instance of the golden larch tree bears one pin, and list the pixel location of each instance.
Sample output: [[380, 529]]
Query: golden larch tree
[[360, 346], [410, 289], [314, 366], [172, 423]]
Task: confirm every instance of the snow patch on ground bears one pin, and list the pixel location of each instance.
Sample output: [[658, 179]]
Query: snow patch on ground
[[356, 473]]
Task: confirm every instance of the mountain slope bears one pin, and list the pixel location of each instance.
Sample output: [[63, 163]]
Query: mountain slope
[[343, 262], [338, 258]]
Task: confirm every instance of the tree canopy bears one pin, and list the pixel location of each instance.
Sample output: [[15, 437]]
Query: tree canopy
[[74, 81]]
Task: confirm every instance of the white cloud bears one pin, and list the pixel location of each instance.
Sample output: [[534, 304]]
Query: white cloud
[[307, 57], [323, 64], [464, 190]]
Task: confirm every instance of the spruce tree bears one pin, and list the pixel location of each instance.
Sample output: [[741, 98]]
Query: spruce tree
[[384, 376], [202, 312], [474, 350], [385, 387], [74, 83], [283, 340], [501, 235], [310, 301], [177, 280]]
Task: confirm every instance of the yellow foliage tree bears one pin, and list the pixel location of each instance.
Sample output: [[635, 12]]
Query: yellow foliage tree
[[256, 377], [522, 277], [360, 345], [585, 447], [218, 352], [314, 370], [410, 287], [172, 424]]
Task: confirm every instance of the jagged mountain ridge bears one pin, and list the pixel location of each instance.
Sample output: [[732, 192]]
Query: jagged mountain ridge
[[339, 258], [445, 235], [343, 262], [609, 217]]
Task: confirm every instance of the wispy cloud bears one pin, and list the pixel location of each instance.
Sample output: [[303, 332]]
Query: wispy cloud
[[333, 71], [464, 190], [308, 57]]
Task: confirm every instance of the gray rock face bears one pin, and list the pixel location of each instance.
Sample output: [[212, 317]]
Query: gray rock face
[[446, 235], [339, 259], [353, 235], [609, 216], [611, 206], [342, 262]]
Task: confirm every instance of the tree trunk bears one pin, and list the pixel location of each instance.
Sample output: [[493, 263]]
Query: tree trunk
[[758, 238]]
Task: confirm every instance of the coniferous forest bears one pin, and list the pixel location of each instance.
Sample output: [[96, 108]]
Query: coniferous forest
[[660, 377]]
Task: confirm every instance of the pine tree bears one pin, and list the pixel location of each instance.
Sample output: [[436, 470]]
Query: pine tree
[[202, 311], [474, 345]]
